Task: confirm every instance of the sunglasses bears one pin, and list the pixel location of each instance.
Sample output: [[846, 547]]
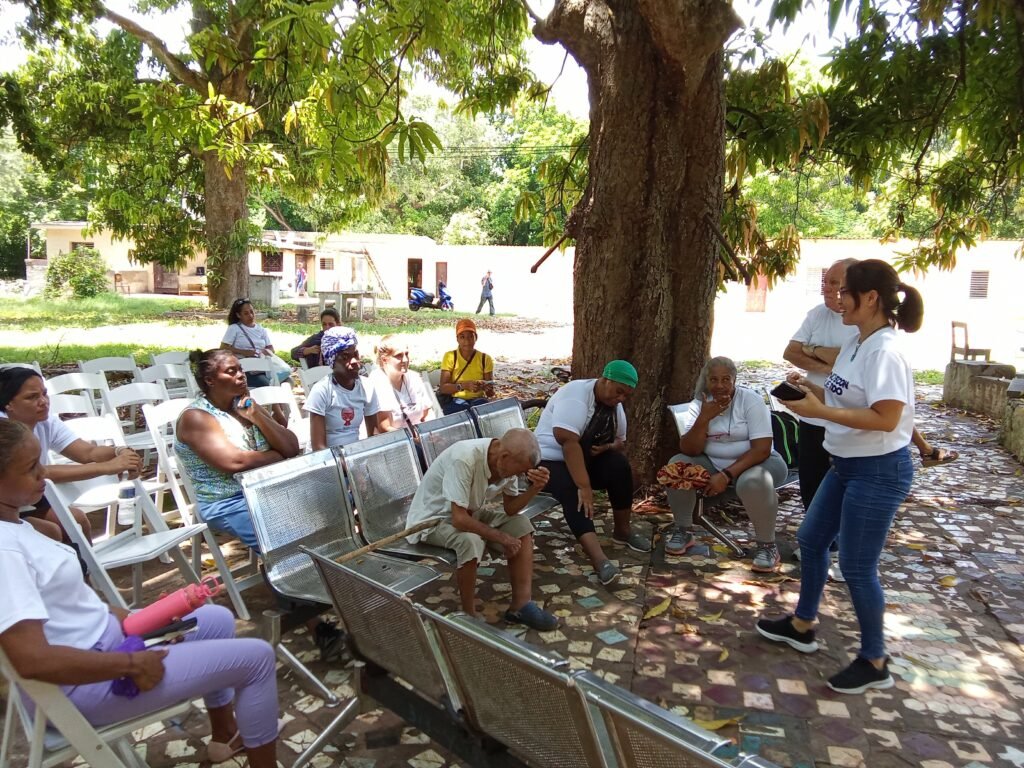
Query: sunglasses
[[239, 302]]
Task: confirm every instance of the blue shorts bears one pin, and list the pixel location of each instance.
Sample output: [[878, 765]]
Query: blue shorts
[[231, 515]]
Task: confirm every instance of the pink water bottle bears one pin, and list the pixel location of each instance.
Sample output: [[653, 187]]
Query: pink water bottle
[[166, 609]]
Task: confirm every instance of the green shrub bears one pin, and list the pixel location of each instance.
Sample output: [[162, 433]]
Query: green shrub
[[81, 273]]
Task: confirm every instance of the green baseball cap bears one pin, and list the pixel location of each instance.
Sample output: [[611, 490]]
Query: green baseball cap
[[622, 372]]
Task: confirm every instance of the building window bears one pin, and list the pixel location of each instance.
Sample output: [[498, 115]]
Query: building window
[[272, 261], [979, 285], [757, 294], [816, 281], [327, 264], [79, 246]]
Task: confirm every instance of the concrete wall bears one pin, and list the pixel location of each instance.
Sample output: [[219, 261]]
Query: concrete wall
[[1011, 436], [977, 386], [60, 239]]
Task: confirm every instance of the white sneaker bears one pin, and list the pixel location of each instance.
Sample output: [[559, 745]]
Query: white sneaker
[[835, 572]]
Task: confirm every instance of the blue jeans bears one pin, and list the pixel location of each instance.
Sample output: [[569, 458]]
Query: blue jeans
[[458, 405], [231, 515], [857, 502]]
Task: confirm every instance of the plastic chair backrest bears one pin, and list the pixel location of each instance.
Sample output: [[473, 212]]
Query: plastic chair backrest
[[169, 358], [311, 376]]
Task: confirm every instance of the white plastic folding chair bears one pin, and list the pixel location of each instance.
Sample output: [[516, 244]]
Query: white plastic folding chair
[[132, 396], [57, 732], [311, 376], [103, 430], [131, 547], [34, 365], [256, 365], [176, 378], [72, 405], [169, 358], [431, 387], [91, 384], [107, 365], [283, 395], [160, 421]]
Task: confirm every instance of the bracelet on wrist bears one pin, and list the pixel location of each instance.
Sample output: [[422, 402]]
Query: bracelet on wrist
[[729, 475]]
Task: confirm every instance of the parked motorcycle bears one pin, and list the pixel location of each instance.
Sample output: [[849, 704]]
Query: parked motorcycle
[[418, 298]]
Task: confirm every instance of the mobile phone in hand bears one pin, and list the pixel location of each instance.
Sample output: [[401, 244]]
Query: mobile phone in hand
[[787, 392], [169, 633]]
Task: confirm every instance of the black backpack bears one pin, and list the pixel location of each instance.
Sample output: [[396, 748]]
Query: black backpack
[[786, 437]]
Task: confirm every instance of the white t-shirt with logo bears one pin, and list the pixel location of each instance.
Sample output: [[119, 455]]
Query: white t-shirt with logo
[[52, 434], [43, 581], [861, 377], [823, 328], [243, 337], [406, 404], [344, 410], [729, 434], [460, 475], [571, 408]]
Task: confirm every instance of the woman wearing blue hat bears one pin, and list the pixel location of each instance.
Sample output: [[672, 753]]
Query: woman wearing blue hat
[[582, 436]]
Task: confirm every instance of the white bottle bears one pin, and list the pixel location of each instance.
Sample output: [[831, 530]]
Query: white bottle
[[126, 505]]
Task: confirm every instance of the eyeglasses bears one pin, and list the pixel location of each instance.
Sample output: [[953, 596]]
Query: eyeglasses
[[239, 302]]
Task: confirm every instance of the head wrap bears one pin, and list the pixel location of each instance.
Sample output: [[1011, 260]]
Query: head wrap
[[12, 379], [622, 372], [334, 341], [465, 324]]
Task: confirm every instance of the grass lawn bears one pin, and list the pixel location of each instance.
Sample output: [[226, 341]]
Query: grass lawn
[[108, 309]]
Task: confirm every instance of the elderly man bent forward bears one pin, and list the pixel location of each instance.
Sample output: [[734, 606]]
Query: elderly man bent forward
[[455, 489]]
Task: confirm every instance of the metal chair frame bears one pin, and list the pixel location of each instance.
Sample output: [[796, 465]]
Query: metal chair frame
[[382, 473], [438, 434]]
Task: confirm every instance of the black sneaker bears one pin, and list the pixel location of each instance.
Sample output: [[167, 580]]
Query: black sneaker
[[330, 640], [783, 631], [860, 676]]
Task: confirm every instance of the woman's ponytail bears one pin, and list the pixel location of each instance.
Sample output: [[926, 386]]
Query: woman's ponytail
[[910, 312]]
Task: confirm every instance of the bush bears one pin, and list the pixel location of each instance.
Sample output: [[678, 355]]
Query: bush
[[82, 273]]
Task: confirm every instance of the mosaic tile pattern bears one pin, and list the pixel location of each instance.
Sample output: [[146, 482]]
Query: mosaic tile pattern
[[954, 579]]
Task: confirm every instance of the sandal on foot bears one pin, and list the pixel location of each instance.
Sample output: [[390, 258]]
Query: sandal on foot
[[939, 456], [219, 751]]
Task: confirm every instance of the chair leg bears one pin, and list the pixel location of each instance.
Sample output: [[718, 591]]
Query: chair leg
[[307, 679], [700, 519], [8, 725], [225, 574], [343, 718]]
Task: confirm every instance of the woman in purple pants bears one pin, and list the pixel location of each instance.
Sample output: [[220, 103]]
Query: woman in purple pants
[[54, 628]]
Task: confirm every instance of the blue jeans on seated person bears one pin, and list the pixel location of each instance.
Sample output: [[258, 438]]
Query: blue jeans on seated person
[[231, 515], [257, 379], [458, 405], [857, 502]]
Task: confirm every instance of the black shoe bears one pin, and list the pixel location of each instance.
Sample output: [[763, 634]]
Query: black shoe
[[331, 641], [783, 631], [860, 676]]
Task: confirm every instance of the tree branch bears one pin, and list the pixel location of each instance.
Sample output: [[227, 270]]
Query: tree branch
[[174, 65], [532, 13]]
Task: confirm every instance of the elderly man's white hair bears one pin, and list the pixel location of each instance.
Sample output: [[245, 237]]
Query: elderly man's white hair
[[522, 443]]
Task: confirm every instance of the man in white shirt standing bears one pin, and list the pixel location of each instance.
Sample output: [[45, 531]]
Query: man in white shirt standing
[[454, 491]]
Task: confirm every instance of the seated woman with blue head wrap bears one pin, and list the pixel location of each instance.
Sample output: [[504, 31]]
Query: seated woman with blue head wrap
[[340, 403]]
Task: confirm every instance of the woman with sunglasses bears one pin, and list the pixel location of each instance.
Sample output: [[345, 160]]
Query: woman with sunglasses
[[402, 398], [247, 338]]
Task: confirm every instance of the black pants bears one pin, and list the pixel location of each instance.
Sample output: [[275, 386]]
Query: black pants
[[813, 461], [609, 471]]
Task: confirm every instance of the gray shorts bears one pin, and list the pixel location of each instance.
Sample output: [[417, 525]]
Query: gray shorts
[[470, 546]]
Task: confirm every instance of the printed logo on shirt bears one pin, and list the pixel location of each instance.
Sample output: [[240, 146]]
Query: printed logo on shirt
[[347, 414], [717, 435], [836, 384]]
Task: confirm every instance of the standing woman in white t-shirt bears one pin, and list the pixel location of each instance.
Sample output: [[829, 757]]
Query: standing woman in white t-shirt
[[402, 397], [247, 338], [338, 404], [867, 404]]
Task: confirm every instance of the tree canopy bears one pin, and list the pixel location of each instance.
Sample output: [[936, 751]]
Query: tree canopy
[[302, 98]]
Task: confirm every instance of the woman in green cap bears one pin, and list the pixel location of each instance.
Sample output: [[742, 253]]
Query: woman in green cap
[[582, 436]]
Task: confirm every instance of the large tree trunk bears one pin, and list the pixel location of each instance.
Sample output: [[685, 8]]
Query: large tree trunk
[[646, 266], [227, 216]]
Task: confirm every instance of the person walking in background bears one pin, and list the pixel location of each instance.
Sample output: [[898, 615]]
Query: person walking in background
[[300, 280], [867, 406], [486, 292]]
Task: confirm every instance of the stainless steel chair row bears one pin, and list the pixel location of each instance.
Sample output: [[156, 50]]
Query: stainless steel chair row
[[501, 688]]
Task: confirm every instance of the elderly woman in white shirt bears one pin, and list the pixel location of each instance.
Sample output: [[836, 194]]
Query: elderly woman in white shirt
[[728, 431]]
